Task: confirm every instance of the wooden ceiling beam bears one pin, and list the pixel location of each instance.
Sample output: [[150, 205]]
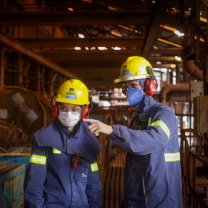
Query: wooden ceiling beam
[[102, 56], [22, 49], [159, 12], [48, 18], [82, 42], [67, 56], [171, 51]]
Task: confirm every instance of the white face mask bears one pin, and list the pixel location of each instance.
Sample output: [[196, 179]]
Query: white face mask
[[68, 119]]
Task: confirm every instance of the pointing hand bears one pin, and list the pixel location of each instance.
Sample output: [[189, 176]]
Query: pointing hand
[[96, 127]]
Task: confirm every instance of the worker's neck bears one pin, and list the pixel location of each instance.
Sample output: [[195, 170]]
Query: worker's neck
[[71, 128]]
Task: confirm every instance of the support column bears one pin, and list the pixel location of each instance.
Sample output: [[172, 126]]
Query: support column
[[205, 70], [38, 77], [177, 74], [43, 79], [19, 59], [185, 74], [51, 83], [2, 70]]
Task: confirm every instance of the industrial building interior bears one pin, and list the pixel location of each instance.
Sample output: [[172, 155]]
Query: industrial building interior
[[46, 42]]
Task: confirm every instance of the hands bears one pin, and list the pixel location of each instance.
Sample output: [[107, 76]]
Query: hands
[[96, 127]]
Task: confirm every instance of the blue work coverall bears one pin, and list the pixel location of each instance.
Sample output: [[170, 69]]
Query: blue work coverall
[[51, 181], [159, 146]]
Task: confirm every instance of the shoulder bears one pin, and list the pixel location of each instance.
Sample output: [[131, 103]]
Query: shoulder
[[44, 130], [160, 108], [46, 134]]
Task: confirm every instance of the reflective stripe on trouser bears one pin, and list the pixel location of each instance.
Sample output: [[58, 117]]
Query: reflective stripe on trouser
[[55, 151], [162, 125], [94, 167], [172, 157], [38, 159]]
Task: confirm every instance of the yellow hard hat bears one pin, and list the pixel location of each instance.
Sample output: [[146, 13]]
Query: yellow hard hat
[[73, 91], [135, 67]]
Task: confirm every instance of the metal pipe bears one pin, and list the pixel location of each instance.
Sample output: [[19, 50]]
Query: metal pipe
[[193, 70], [171, 87], [177, 96]]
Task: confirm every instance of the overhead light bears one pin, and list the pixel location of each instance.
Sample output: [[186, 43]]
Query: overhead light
[[201, 39], [102, 48], [114, 33], [77, 48], [178, 58], [116, 48], [70, 9], [127, 28], [88, 1], [168, 28], [106, 103], [203, 19], [168, 42], [189, 9], [112, 8], [86, 48], [81, 35], [179, 33]]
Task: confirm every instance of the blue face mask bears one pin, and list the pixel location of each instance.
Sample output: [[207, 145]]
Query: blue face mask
[[134, 95]]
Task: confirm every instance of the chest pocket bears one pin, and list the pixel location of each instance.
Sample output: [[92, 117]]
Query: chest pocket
[[82, 171]]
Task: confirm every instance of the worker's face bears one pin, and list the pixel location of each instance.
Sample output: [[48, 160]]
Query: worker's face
[[67, 107], [130, 84]]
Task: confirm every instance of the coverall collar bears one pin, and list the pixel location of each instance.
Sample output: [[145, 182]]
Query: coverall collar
[[146, 103]]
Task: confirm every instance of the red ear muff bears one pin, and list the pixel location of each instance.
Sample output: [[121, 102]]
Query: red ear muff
[[55, 110], [85, 113], [150, 86]]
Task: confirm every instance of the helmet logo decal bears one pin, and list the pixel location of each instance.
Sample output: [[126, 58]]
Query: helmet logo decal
[[124, 73], [72, 97], [125, 67]]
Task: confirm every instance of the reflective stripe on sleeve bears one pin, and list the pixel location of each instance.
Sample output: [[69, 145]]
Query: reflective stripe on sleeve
[[38, 159], [55, 151], [162, 125], [94, 167], [172, 157]]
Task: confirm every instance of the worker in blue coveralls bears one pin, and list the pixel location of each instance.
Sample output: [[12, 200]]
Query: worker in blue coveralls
[[62, 170], [152, 170]]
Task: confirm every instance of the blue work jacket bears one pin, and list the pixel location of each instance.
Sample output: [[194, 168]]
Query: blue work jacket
[[51, 181], [158, 145]]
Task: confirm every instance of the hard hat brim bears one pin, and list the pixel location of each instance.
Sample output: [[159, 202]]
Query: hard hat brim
[[75, 102], [119, 80]]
